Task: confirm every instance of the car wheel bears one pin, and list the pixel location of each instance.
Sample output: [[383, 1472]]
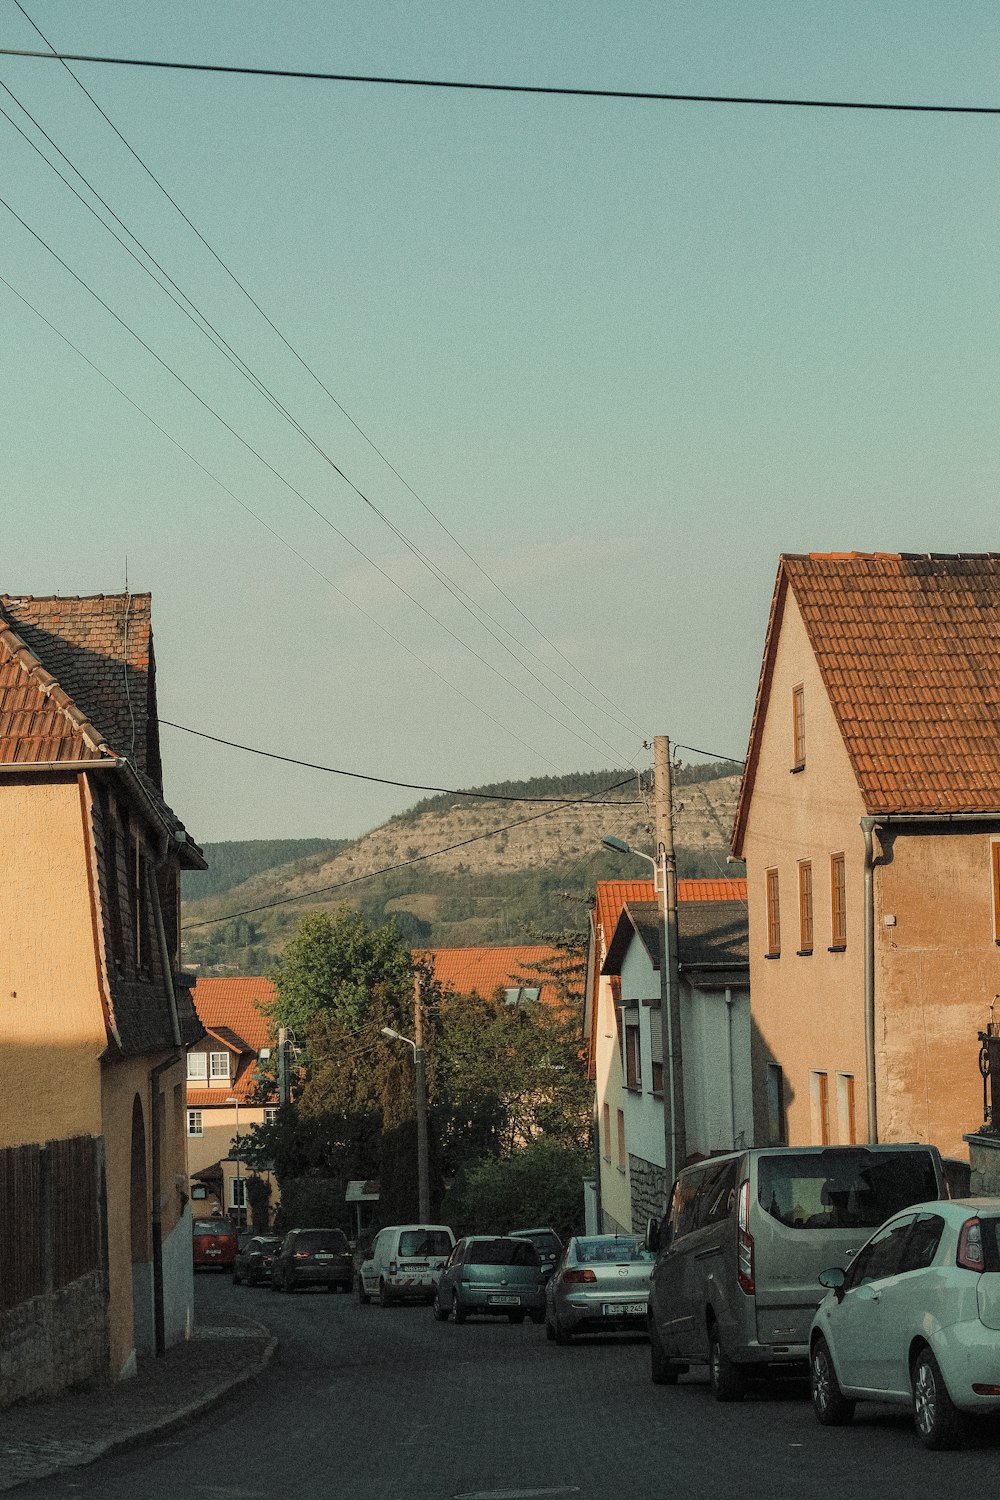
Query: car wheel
[[515, 1317], [440, 1313], [289, 1282], [458, 1310], [831, 1406], [936, 1417], [561, 1335], [538, 1318], [236, 1277], [384, 1299], [726, 1378], [550, 1332], [661, 1370], [363, 1296]]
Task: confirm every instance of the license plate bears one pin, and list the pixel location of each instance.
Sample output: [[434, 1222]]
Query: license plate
[[322, 1255], [624, 1309], [505, 1301], [414, 1265]]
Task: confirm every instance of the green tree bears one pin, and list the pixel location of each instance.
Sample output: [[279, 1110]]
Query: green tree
[[332, 965], [540, 1183]]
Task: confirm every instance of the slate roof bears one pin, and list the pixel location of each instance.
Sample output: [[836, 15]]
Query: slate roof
[[77, 680], [908, 647], [484, 970], [710, 934]]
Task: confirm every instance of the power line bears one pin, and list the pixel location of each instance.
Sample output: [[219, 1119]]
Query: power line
[[413, 786], [649, 95], [712, 754], [477, 609], [401, 865]]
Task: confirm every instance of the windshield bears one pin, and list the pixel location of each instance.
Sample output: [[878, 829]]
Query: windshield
[[213, 1226], [843, 1189], [424, 1242], [502, 1253], [622, 1248], [322, 1239]]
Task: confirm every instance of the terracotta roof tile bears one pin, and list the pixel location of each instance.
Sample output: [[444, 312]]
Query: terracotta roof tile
[[484, 970], [233, 1005]]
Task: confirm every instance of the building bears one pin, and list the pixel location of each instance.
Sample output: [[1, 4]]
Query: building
[[869, 818], [525, 972], [96, 1014]]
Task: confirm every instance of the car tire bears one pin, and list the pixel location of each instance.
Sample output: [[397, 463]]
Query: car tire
[[832, 1407], [458, 1310], [538, 1318], [363, 1297], [561, 1335], [384, 1299], [661, 1370], [289, 1282], [935, 1416], [550, 1332], [236, 1277], [440, 1313], [727, 1380], [516, 1317]]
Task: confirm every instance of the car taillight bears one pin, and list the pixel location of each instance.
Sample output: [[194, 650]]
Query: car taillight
[[744, 1243], [970, 1246], [392, 1268], [576, 1276], [300, 1255]]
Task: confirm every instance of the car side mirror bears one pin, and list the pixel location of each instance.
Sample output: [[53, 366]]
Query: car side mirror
[[652, 1239], [833, 1279]]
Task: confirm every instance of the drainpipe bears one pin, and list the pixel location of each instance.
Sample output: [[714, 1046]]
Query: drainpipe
[[729, 1064], [868, 826], [166, 963]]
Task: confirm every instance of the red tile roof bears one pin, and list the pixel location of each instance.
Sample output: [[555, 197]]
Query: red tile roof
[[908, 647], [233, 1005], [77, 680], [723, 889], [484, 970]]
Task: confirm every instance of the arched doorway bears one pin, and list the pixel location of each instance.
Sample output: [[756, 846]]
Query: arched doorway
[[142, 1268]]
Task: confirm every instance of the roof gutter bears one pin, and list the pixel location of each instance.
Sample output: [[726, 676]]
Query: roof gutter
[[71, 767]]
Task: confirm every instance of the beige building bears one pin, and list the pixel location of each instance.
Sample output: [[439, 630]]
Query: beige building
[[869, 818], [94, 1012]]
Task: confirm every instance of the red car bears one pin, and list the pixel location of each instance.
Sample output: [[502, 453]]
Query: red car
[[215, 1242]]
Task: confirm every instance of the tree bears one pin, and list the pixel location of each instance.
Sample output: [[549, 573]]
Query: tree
[[541, 1183], [333, 964]]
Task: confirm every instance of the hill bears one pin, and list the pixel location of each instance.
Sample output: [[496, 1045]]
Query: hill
[[452, 871]]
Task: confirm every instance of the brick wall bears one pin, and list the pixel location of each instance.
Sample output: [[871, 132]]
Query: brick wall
[[649, 1191]]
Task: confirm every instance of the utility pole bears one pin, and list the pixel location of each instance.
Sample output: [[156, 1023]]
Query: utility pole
[[670, 1012], [420, 1090], [284, 1086]]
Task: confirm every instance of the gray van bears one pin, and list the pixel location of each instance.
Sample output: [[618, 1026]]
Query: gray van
[[743, 1242]]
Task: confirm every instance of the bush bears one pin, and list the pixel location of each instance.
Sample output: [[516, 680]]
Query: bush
[[540, 1184]]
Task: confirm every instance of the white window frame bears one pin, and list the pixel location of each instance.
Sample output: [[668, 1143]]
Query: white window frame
[[197, 1066], [215, 1068], [237, 1198], [195, 1119], [271, 1114]]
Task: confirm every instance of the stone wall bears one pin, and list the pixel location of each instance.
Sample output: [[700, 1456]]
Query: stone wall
[[984, 1158], [55, 1340], [649, 1191]]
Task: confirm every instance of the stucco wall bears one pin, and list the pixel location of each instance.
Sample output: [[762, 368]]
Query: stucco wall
[[808, 1011], [51, 1023], [616, 1208]]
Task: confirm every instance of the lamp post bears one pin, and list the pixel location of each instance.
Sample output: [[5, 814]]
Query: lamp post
[[420, 1089], [238, 1194], [665, 881]]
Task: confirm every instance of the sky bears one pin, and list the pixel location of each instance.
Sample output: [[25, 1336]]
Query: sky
[[561, 378]]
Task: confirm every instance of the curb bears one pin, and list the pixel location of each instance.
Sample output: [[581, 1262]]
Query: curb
[[135, 1437]]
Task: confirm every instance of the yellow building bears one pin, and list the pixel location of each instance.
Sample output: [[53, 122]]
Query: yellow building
[[869, 818], [94, 1013]]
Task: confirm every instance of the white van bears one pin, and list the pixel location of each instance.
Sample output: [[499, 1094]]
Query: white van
[[405, 1264]]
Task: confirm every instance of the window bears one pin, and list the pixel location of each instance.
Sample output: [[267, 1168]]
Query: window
[[633, 1058], [219, 1064], [194, 1122], [798, 727], [776, 1132], [522, 995], [271, 1114], [805, 907], [847, 1130], [881, 1256], [838, 902], [819, 1101], [844, 1189], [773, 915], [657, 1078], [718, 1194], [921, 1247], [197, 1065], [606, 1130], [684, 1203], [198, 1192], [237, 1192], [621, 1141]]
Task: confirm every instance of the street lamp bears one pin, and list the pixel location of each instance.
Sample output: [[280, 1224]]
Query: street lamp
[[666, 888], [238, 1194], [420, 1089]]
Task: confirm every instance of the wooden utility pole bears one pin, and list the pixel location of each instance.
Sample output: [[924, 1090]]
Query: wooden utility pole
[[670, 1011], [420, 1086]]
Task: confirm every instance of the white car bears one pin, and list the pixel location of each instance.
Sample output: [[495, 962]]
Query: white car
[[915, 1321], [405, 1264]]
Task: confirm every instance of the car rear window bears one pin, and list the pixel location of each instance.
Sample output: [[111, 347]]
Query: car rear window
[[843, 1189], [611, 1252], [502, 1253], [213, 1226], [322, 1239], [424, 1242]]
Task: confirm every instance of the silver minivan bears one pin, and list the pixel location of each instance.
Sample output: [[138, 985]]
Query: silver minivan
[[743, 1242]]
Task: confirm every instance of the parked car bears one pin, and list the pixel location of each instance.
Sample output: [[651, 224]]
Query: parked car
[[313, 1257], [405, 1263], [495, 1275], [214, 1242], [600, 1285], [915, 1320], [745, 1237], [546, 1242], [254, 1259]]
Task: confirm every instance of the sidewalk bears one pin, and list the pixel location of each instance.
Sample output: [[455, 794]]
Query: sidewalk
[[38, 1438]]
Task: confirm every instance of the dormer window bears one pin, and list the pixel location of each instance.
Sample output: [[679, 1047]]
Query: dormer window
[[198, 1065], [798, 727], [219, 1065]]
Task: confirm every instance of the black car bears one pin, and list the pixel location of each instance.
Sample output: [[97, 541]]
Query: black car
[[254, 1257], [313, 1257], [546, 1242]]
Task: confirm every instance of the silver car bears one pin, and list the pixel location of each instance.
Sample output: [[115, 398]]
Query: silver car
[[601, 1285]]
